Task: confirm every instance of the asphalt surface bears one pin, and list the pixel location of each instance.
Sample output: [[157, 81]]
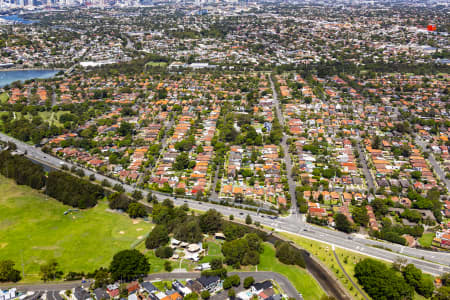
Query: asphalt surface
[[287, 156], [53, 295], [367, 174], [434, 263]]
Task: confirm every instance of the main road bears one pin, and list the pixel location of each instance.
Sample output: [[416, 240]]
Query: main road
[[431, 262]]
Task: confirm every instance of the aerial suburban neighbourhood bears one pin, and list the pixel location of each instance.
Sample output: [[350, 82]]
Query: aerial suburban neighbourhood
[[226, 149]]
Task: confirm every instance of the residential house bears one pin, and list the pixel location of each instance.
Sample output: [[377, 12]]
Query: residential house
[[80, 294], [210, 283]]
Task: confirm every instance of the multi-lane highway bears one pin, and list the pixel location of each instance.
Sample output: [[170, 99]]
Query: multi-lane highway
[[430, 262]]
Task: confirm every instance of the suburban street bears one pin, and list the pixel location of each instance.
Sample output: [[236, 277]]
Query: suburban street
[[287, 157], [436, 167], [51, 289], [431, 262], [367, 174]]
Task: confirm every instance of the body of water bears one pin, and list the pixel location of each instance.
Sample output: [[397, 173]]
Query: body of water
[[17, 19], [7, 77]]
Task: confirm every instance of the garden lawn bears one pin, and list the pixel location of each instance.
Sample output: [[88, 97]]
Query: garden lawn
[[34, 227], [300, 278], [214, 249], [426, 239], [4, 97]]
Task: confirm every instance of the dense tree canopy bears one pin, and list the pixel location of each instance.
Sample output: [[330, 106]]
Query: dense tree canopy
[[342, 223], [242, 251], [164, 252], [159, 236], [137, 210], [73, 191], [8, 272], [381, 282], [289, 255], [211, 221], [22, 170], [128, 265], [414, 277], [189, 232], [119, 201]]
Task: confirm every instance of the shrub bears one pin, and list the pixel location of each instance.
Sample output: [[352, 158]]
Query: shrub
[[164, 252], [248, 282]]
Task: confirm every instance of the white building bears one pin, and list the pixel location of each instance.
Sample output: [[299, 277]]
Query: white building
[[8, 294]]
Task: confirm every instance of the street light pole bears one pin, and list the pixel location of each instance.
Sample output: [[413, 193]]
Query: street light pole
[[23, 266], [180, 263]]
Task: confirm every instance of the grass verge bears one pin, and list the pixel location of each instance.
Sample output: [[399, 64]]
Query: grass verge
[[301, 279], [426, 239]]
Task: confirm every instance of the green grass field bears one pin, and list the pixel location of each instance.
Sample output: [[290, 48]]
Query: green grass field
[[4, 97], [325, 254], [347, 258], [156, 64], [48, 116], [427, 239], [35, 228], [301, 279]]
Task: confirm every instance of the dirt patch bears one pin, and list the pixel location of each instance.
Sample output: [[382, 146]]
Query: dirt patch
[[139, 229], [49, 248], [3, 245]]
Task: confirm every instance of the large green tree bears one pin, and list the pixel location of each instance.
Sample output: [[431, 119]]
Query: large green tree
[[211, 221], [181, 162], [137, 210], [7, 271], [381, 282], [189, 232], [360, 216], [342, 223], [414, 277], [289, 255], [159, 236], [128, 265], [50, 270]]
